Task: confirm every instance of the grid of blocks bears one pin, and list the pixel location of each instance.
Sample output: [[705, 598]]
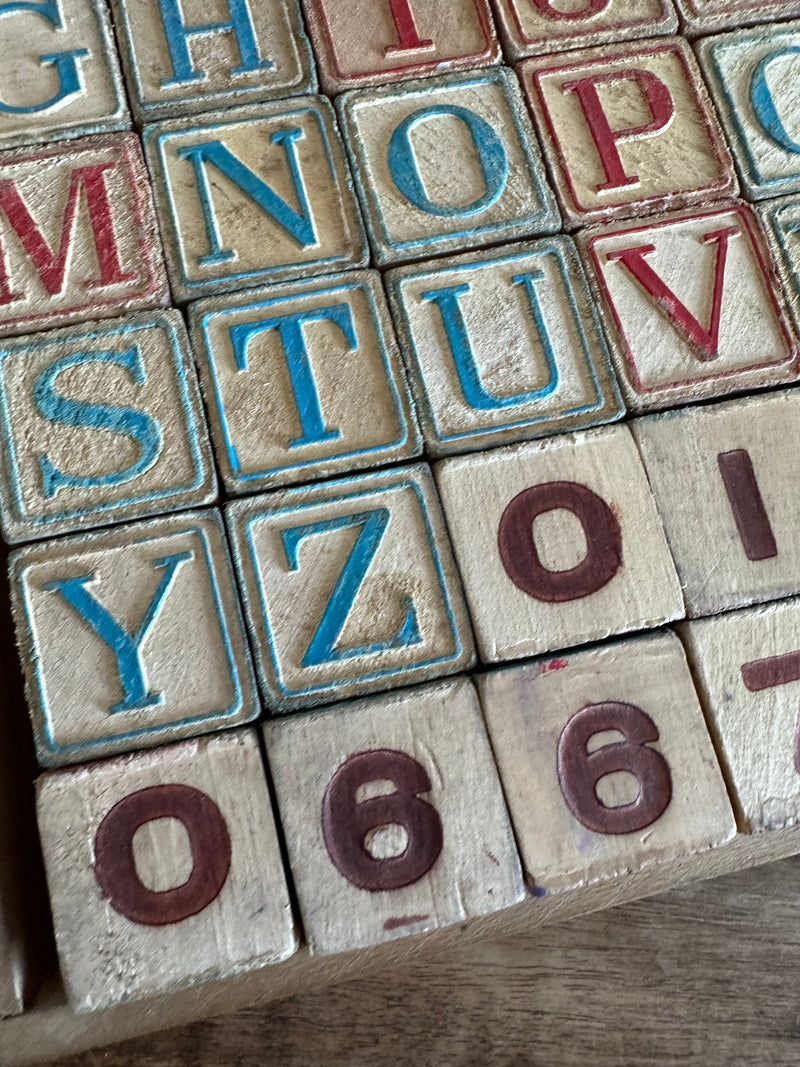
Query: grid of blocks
[[397, 449]]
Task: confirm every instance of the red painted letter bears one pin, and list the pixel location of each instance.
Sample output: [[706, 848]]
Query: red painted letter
[[593, 7], [408, 38], [749, 513]]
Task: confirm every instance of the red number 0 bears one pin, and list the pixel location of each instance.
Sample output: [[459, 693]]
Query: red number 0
[[579, 771], [346, 821]]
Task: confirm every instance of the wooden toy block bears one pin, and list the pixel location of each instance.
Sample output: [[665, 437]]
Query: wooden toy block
[[397, 39], [164, 870], [446, 164], [78, 234], [692, 306], [747, 665], [707, 16], [303, 381], [752, 75], [393, 816], [627, 130], [349, 587], [252, 195], [185, 57], [558, 542], [606, 762], [503, 346], [60, 72], [781, 220], [131, 637], [99, 423], [536, 27], [724, 480]]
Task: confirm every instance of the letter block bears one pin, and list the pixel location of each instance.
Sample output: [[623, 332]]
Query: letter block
[[60, 72], [164, 870], [627, 130], [395, 39], [606, 762], [100, 423], [303, 381], [131, 637], [753, 79], [692, 306], [706, 16], [393, 816], [558, 542], [781, 220], [503, 346], [78, 234], [349, 587], [181, 57], [446, 164], [747, 666], [253, 195], [724, 478]]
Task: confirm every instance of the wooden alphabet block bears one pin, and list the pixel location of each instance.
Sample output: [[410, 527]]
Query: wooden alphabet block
[[752, 75], [183, 57], [393, 816], [503, 346], [396, 39], [253, 195], [747, 666], [692, 306], [781, 220], [349, 587], [606, 762], [536, 27], [100, 423], [707, 16], [446, 164], [627, 130], [303, 381], [131, 637], [78, 234], [724, 478], [164, 870], [60, 72], [558, 542]]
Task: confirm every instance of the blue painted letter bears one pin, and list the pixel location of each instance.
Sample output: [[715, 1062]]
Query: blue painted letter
[[178, 34], [763, 104], [66, 63]]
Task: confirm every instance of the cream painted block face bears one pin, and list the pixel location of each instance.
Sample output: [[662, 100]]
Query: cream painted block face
[[131, 637], [724, 481], [558, 542], [60, 74], [393, 815], [606, 762], [747, 668], [627, 129], [253, 195], [692, 307], [184, 56], [705, 16], [164, 870], [492, 187]]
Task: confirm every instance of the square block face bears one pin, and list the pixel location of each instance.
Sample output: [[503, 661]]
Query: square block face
[[503, 347], [100, 423], [393, 815], [724, 481], [558, 542], [131, 637], [492, 187], [692, 307], [164, 870], [627, 130], [606, 762], [753, 79], [395, 39], [747, 668], [254, 195], [704, 16], [184, 56], [350, 587], [60, 72], [781, 220], [303, 382], [78, 234], [536, 27]]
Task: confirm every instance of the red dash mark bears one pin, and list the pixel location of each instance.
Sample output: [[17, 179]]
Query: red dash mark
[[766, 674], [404, 920], [553, 665], [747, 505]]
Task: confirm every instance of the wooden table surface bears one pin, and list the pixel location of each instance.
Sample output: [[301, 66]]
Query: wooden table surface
[[708, 975]]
